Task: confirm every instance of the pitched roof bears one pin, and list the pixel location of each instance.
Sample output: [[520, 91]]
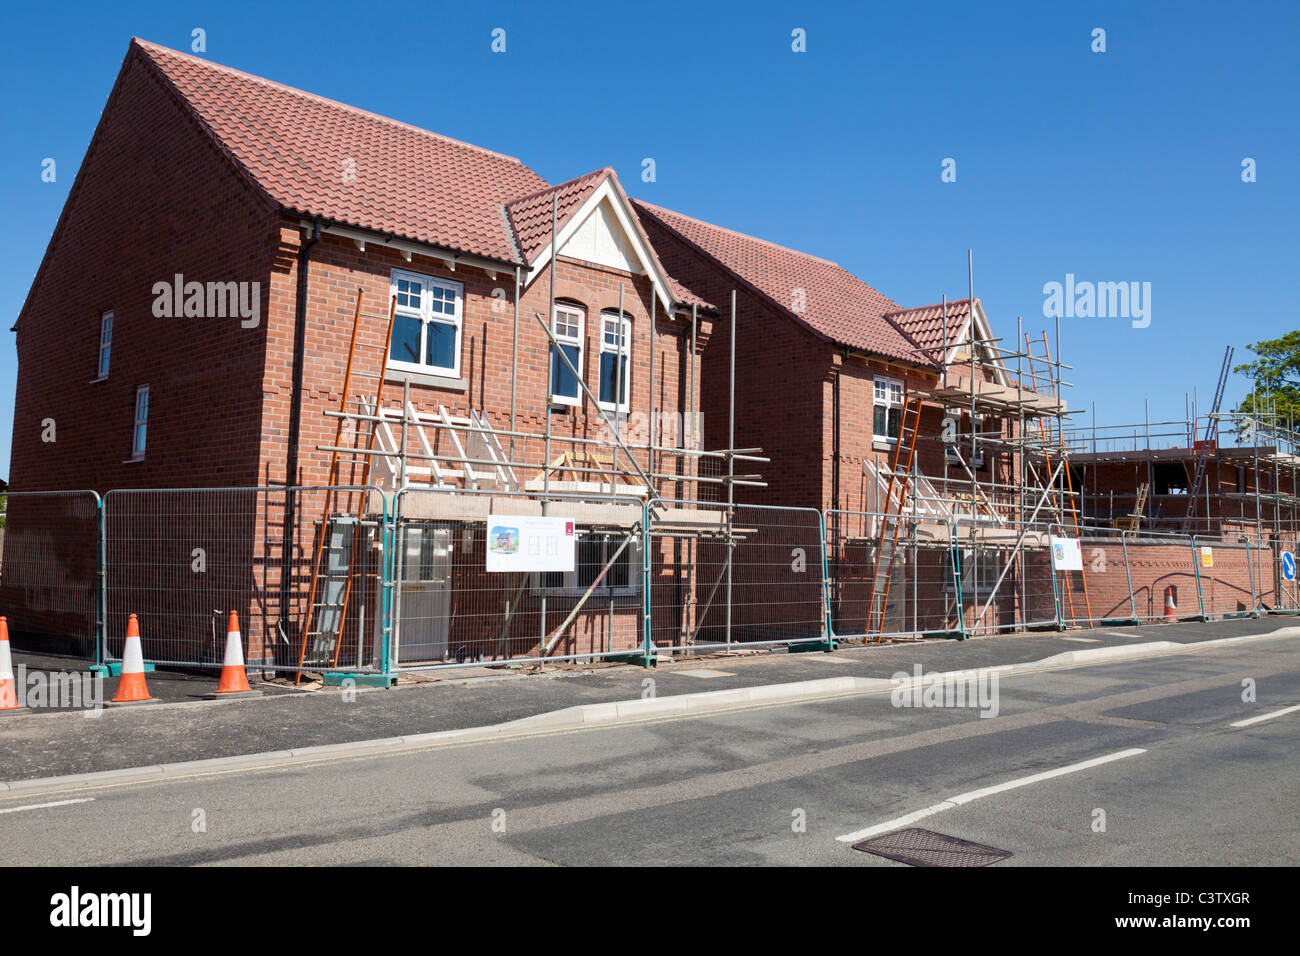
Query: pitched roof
[[816, 292], [323, 158], [530, 216], [925, 324]]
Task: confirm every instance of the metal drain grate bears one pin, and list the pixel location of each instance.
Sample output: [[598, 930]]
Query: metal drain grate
[[917, 847]]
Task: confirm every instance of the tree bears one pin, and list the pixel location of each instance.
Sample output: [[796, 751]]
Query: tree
[[1276, 378]]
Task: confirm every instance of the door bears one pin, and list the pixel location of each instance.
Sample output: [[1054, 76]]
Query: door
[[424, 615]]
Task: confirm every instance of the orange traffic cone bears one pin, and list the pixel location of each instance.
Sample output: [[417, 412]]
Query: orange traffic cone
[[131, 687], [234, 682], [8, 690], [1171, 609]]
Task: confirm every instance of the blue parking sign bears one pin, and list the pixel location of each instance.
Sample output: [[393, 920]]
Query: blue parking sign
[[1288, 565]]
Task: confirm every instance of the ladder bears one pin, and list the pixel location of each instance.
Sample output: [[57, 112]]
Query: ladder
[[339, 537], [1207, 445], [895, 504]]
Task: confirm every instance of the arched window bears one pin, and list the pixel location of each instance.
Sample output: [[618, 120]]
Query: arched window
[[567, 327]]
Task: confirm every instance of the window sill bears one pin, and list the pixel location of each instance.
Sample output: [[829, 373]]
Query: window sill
[[399, 376], [102, 378], [884, 444], [132, 461]]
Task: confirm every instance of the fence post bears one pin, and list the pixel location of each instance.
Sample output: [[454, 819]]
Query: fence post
[[1128, 574], [648, 654], [1056, 591], [955, 561], [1196, 567], [101, 596], [826, 578]]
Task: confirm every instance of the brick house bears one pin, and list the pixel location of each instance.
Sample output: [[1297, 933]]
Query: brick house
[[190, 327]]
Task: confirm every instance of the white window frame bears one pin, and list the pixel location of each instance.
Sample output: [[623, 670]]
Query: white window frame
[[987, 564], [105, 345], [895, 393], [612, 315], [138, 422], [572, 312], [976, 458], [426, 316], [631, 557]]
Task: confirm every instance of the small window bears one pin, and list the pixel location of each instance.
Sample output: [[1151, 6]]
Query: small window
[[593, 551], [615, 370], [567, 327], [978, 569], [974, 460], [426, 324], [140, 432], [105, 342], [888, 408]]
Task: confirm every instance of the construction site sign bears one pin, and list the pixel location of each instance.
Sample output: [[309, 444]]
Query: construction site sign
[[524, 543], [1207, 556], [1066, 555]]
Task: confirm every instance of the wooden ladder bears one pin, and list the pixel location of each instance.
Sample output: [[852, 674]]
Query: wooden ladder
[[331, 572], [887, 543]]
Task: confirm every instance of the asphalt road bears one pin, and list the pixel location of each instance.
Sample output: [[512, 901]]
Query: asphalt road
[[732, 788]]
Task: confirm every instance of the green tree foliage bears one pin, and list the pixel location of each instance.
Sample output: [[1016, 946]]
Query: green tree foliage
[[1276, 378]]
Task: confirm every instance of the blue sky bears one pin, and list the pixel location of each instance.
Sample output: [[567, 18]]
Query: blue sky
[[1115, 166]]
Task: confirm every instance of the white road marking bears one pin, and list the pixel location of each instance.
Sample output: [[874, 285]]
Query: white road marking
[[42, 806], [1263, 717], [1083, 640], [964, 798], [705, 672]]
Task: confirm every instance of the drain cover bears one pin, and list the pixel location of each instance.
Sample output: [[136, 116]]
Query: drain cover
[[917, 847]]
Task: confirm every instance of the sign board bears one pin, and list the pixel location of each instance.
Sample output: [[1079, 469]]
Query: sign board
[[525, 543], [1207, 556], [1066, 555], [1288, 566]]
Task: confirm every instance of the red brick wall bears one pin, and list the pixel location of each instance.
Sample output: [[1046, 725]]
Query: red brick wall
[[153, 198]]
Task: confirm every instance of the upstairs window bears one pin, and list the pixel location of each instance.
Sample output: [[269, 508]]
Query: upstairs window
[[140, 432], [105, 342], [567, 326], [426, 324], [888, 408], [615, 369]]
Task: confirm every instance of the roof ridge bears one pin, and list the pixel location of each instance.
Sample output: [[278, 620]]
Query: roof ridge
[[742, 235], [935, 305], [150, 47], [558, 186]]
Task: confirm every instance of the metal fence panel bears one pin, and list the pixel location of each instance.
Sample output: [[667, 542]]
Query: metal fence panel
[[1157, 562], [726, 575], [1227, 573], [50, 588], [182, 559], [881, 588], [450, 611], [1007, 576]]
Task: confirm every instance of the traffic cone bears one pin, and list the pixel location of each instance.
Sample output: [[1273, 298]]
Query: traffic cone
[[8, 690], [1171, 609], [131, 687], [234, 681]]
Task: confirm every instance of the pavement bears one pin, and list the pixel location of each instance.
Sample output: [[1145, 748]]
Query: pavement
[[1182, 758], [44, 742]]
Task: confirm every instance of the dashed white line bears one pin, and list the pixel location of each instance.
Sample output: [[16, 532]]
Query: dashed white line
[[42, 806], [964, 798], [1263, 717]]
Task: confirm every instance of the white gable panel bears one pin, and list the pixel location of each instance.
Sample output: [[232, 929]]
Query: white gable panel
[[601, 239]]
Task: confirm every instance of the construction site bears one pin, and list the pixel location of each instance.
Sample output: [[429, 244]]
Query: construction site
[[549, 438]]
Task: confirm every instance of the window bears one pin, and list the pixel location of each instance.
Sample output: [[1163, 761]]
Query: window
[[978, 568], [105, 342], [888, 408], [974, 460], [592, 552], [140, 432], [426, 324], [567, 326], [615, 348]]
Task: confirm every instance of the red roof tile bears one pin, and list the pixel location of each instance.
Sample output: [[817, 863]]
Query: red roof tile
[[925, 324], [818, 293], [531, 216], [323, 158]]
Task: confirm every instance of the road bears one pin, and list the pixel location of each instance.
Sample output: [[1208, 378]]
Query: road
[[761, 785]]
